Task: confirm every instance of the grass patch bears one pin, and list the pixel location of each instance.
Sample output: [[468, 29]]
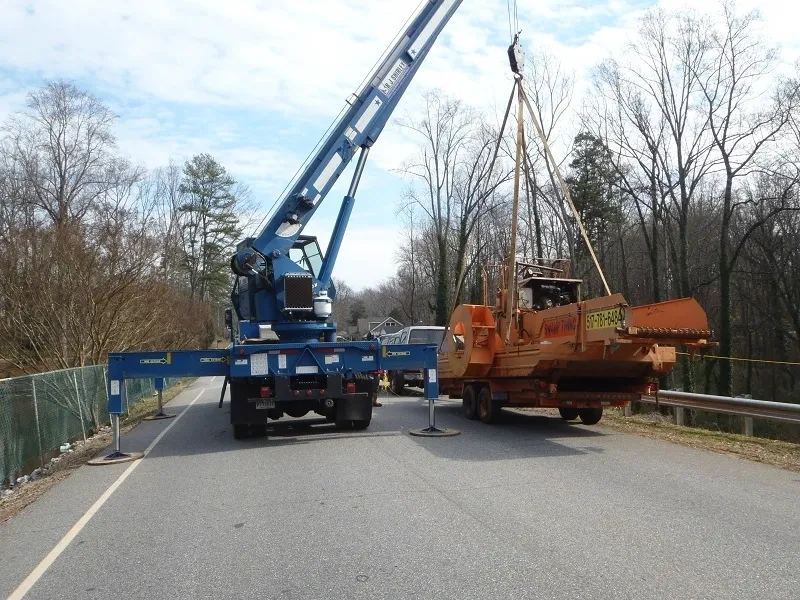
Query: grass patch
[[785, 455], [149, 406]]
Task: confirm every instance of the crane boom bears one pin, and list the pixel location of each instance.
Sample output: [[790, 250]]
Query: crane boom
[[282, 290], [360, 126]]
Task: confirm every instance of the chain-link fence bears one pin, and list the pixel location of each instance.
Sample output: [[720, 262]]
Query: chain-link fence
[[39, 413]]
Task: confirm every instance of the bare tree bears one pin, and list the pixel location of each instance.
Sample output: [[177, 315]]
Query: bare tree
[[549, 87], [79, 242], [445, 128], [733, 77], [64, 146]]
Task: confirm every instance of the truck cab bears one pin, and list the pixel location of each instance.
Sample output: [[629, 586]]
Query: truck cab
[[413, 334]]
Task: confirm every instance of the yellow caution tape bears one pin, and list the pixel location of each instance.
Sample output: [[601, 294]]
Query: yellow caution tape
[[756, 360]]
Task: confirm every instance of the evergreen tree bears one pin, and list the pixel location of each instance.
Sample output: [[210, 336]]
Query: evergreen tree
[[358, 310], [591, 183], [210, 227]]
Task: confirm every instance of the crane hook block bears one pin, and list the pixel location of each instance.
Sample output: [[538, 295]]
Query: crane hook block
[[516, 56]]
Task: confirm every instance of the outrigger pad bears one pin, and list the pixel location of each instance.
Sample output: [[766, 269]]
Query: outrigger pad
[[157, 417], [116, 458], [434, 432]]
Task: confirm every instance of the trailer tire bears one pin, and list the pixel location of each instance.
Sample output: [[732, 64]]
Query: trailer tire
[[359, 424], [469, 403], [591, 416], [488, 409], [241, 431], [568, 413], [259, 430]]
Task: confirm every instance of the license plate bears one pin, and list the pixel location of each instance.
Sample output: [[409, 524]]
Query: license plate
[[604, 319], [265, 404]]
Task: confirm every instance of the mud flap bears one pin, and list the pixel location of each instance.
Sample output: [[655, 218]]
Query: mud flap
[[354, 408]]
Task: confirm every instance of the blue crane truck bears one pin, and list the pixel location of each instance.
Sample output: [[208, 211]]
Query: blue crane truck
[[284, 358]]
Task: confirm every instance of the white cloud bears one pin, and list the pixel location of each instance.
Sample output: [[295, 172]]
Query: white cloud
[[366, 255], [192, 76]]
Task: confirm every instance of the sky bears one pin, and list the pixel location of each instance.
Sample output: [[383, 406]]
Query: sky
[[256, 83]]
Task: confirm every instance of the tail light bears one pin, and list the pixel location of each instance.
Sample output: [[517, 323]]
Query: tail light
[[265, 391], [351, 388]]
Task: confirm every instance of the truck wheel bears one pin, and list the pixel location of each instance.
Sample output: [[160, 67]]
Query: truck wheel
[[398, 383], [469, 404], [241, 432], [488, 409], [591, 416], [259, 430], [568, 413], [344, 424], [361, 424]]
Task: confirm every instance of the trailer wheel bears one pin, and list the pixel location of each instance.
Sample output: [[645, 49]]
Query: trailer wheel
[[259, 430], [488, 409], [591, 416], [568, 413], [469, 404], [361, 424], [241, 432]]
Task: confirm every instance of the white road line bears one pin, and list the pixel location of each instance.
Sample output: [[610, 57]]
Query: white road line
[[48, 560]]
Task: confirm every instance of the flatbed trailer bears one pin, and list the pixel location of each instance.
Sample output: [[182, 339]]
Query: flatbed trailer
[[578, 358]]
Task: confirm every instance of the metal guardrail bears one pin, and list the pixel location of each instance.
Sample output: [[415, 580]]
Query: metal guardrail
[[745, 407]]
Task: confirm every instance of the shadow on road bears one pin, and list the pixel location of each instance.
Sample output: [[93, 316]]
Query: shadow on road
[[205, 429], [514, 436]]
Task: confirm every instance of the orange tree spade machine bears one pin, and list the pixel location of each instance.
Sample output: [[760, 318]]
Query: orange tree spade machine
[[284, 357], [539, 345]]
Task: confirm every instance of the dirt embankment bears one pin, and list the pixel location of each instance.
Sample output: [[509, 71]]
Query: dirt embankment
[[785, 455]]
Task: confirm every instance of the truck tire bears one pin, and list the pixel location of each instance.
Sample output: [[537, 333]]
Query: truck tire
[[488, 409], [361, 424], [259, 430], [469, 403], [241, 432], [591, 416], [398, 383], [568, 413]]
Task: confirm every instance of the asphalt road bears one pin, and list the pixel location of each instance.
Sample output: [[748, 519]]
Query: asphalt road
[[530, 508]]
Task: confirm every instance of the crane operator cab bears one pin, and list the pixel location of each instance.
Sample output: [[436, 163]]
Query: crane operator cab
[[254, 272]]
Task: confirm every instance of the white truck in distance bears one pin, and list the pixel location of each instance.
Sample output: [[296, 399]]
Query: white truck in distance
[[413, 334]]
